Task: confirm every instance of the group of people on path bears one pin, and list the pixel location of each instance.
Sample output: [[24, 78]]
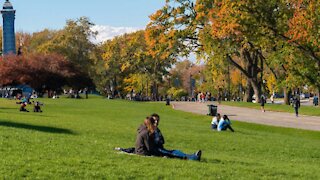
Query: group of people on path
[[221, 123], [203, 97], [150, 141]]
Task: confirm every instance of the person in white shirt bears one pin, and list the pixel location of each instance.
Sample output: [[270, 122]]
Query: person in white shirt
[[215, 121]]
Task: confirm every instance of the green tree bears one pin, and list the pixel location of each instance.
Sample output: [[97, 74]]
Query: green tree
[[73, 42], [247, 34]]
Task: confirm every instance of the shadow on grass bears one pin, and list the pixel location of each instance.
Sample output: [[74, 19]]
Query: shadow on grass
[[6, 108], [27, 113], [231, 115], [36, 128]]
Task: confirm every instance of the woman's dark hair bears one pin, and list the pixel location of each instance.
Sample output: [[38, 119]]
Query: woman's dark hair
[[225, 117]]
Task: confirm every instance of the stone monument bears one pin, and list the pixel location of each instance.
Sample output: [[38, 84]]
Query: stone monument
[[8, 34]]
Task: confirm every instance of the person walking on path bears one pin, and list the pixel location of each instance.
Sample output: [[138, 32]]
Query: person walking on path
[[315, 100], [296, 104], [219, 98], [272, 98], [262, 102]]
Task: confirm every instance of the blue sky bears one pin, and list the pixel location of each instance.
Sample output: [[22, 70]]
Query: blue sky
[[112, 17], [36, 15]]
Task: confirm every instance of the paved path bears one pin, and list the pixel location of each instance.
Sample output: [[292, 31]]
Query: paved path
[[255, 116]]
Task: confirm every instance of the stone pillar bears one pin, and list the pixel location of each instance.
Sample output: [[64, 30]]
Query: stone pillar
[[8, 36]]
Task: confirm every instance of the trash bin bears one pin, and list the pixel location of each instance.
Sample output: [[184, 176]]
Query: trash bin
[[213, 109]]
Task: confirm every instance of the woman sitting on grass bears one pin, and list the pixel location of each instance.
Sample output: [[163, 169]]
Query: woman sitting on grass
[[225, 124], [145, 138], [154, 146]]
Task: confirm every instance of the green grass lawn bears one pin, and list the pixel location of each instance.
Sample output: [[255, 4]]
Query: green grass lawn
[[74, 139], [305, 110]]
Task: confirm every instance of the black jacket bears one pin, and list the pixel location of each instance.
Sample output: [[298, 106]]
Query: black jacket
[[158, 139]]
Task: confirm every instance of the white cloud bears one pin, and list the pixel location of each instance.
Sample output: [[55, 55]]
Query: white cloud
[[109, 32]]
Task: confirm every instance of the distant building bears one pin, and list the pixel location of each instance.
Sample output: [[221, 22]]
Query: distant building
[[8, 36]]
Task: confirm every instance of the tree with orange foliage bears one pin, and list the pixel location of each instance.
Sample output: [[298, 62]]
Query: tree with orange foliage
[[248, 33]]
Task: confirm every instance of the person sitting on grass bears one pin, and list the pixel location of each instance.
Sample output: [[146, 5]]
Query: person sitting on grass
[[23, 107], [159, 150], [141, 136], [37, 107], [215, 121], [225, 124], [145, 138]]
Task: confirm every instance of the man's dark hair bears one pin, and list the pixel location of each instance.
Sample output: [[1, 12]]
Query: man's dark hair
[[155, 115]]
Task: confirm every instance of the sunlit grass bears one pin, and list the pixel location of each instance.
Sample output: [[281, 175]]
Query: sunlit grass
[[74, 139]]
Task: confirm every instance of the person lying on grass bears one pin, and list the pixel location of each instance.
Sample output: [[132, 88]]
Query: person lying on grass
[[157, 141], [224, 124]]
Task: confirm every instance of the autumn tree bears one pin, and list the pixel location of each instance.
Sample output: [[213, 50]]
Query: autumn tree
[[216, 36], [162, 48], [73, 42], [247, 33], [122, 56], [51, 71], [38, 40], [304, 35], [126, 64]]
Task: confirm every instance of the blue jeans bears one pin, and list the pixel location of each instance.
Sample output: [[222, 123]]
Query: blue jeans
[[296, 110], [177, 154], [214, 126]]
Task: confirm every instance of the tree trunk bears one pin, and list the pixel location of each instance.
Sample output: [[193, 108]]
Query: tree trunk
[[114, 89], [251, 71], [286, 95], [248, 93], [257, 90], [154, 91]]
